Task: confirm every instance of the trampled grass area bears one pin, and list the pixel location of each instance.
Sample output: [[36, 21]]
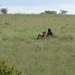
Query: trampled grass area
[[47, 56]]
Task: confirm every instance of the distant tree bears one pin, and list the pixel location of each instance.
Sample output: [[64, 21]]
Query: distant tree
[[50, 12], [63, 12], [0, 9], [4, 10]]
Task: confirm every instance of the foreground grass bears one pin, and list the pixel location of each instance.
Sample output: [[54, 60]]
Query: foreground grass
[[47, 56]]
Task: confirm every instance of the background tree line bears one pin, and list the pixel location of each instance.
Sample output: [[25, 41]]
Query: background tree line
[[62, 12]]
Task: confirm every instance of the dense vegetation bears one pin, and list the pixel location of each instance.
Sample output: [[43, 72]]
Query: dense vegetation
[[47, 56], [6, 70]]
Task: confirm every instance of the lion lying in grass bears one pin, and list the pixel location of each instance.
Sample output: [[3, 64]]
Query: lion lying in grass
[[49, 33]]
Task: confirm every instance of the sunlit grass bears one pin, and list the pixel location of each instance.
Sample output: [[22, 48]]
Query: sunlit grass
[[47, 56]]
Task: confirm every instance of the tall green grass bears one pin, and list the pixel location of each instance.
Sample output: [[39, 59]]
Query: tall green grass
[[47, 56]]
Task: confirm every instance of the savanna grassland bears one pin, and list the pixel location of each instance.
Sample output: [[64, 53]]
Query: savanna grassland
[[47, 56]]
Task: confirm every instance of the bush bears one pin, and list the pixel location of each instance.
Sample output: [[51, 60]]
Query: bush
[[5, 70]]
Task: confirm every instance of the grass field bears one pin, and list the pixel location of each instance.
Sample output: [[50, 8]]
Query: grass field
[[47, 56]]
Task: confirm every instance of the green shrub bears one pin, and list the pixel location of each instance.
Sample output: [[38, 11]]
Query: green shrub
[[5, 70]]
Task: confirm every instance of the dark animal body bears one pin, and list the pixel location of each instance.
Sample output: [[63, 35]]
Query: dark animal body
[[49, 33]]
